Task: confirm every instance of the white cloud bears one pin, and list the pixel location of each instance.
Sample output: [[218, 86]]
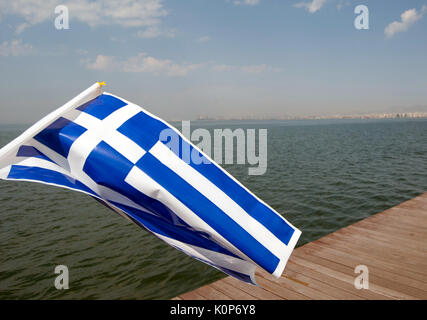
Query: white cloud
[[145, 63], [245, 2], [21, 28], [125, 13], [15, 48], [32, 11], [408, 18], [141, 63], [254, 69], [312, 7]]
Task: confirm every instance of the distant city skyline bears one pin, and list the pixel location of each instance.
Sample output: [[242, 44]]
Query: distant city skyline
[[409, 115], [220, 59]]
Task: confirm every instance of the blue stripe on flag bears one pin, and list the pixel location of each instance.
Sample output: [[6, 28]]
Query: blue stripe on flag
[[48, 176], [208, 212], [102, 106], [143, 129], [109, 168], [29, 151], [60, 135]]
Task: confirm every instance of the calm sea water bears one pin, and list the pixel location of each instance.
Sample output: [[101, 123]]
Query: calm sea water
[[322, 175]]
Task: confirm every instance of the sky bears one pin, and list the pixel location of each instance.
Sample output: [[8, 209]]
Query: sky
[[181, 59]]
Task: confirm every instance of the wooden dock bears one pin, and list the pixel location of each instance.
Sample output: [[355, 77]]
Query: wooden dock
[[392, 244]]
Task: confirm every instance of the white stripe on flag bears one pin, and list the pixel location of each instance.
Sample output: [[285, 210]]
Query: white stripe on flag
[[219, 198], [290, 247]]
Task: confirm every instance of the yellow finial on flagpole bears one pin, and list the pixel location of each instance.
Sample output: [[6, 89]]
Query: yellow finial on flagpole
[[101, 84]]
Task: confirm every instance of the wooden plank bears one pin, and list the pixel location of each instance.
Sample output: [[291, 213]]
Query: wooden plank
[[257, 292], [210, 293], [301, 287], [232, 291], [375, 283], [394, 280], [385, 264], [192, 295], [391, 244], [345, 277], [383, 249], [391, 217], [370, 240], [418, 202], [335, 288], [410, 234], [279, 290], [369, 253], [414, 246], [397, 221], [340, 283], [412, 213]]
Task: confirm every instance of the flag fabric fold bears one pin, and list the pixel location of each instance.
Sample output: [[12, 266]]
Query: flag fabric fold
[[113, 150]]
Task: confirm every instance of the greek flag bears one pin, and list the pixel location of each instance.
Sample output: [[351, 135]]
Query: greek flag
[[111, 149]]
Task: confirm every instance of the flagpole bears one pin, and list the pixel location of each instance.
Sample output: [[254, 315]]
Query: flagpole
[[90, 93]]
